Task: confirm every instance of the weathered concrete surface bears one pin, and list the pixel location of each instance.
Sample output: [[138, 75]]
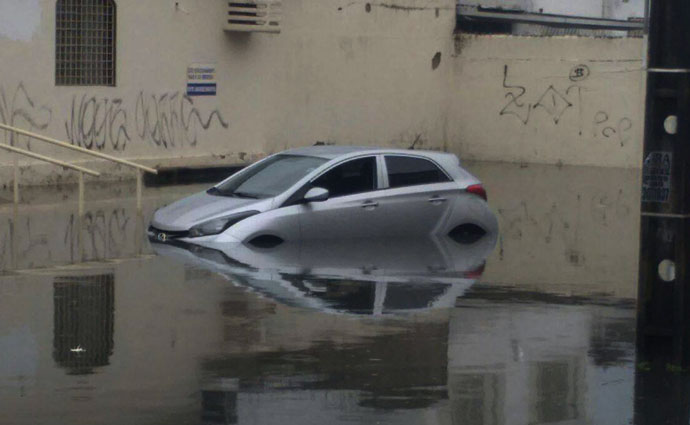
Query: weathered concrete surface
[[566, 100], [567, 230], [348, 72]]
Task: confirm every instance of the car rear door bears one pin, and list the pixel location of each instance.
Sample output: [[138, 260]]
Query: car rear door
[[353, 208], [418, 195]]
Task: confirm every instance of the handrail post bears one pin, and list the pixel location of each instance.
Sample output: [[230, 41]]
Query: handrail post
[[15, 184], [140, 216], [139, 190], [81, 194], [13, 238], [81, 216]]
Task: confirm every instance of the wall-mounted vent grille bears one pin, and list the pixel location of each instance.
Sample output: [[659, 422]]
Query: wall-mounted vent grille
[[256, 16]]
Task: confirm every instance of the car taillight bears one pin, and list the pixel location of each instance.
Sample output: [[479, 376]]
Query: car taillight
[[476, 273], [477, 189]]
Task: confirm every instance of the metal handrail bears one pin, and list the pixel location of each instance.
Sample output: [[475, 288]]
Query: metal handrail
[[140, 168], [81, 170], [78, 148], [48, 159]]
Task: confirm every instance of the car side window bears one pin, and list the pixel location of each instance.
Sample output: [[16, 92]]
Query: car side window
[[356, 176], [410, 171]]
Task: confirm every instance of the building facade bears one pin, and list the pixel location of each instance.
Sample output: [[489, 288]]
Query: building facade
[[166, 83]]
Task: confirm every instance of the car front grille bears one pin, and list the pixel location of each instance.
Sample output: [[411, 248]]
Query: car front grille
[[164, 235]]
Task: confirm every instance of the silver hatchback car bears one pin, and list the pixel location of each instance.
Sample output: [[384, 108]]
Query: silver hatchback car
[[330, 192]]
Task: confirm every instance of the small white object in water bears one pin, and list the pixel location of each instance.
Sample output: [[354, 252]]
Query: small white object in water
[[78, 349]]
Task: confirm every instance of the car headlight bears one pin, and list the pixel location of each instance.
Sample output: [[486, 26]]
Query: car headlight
[[217, 225]]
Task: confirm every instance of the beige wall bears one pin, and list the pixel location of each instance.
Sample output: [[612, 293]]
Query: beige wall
[[554, 100], [337, 73], [567, 230]]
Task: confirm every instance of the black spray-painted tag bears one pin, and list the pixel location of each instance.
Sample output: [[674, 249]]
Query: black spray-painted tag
[[656, 177]]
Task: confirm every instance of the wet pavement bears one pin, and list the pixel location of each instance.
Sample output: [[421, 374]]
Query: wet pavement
[[534, 325]]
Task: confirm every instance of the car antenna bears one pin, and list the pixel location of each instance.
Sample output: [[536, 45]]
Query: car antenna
[[416, 139]]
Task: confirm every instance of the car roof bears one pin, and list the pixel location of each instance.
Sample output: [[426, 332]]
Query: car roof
[[328, 151], [333, 151]]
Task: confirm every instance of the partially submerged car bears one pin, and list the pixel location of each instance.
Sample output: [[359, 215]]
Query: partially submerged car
[[332, 192]]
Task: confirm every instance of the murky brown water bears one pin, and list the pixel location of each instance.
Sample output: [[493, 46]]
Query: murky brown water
[[405, 333]]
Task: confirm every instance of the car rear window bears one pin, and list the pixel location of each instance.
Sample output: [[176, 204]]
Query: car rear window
[[410, 171]]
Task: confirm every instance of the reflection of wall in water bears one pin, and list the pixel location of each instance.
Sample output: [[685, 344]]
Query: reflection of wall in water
[[477, 397], [400, 371], [219, 402], [574, 228], [611, 338], [534, 363], [84, 321], [558, 393], [46, 229]]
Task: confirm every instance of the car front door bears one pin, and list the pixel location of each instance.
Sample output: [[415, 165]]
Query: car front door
[[418, 196], [352, 209]]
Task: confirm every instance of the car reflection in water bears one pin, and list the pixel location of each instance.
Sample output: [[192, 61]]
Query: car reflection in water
[[355, 277], [349, 276]]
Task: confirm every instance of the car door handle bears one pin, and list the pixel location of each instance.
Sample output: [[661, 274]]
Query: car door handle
[[437, 199], [370, 204]]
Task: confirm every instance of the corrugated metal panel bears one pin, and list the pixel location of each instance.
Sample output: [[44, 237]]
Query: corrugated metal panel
[[548, 31], [609, 9], [479, 19]]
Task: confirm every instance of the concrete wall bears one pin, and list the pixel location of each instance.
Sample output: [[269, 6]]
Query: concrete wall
[[567, 230], [562, 100], [347, 72]]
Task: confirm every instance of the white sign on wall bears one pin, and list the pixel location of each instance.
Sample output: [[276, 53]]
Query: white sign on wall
[[201, 79]]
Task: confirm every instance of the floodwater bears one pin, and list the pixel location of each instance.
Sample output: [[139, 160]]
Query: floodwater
[[533, 325]]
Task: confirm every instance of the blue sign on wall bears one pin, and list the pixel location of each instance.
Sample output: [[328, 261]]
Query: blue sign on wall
[[201, 79], [201, 89]]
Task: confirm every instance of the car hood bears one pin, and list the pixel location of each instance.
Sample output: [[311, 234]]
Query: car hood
[[195, 209]]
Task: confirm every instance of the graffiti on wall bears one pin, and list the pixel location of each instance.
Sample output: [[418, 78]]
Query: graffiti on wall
[[165, 120], [19, 109], [96, 123], [554, 104], [172, 119]]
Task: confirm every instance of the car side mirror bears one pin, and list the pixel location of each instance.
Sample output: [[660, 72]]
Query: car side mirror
[[316, 194]]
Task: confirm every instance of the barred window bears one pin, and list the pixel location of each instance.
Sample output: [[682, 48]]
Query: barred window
[[85, 43]]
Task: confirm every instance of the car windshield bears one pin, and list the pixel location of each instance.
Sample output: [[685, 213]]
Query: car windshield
[[269, 178]]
